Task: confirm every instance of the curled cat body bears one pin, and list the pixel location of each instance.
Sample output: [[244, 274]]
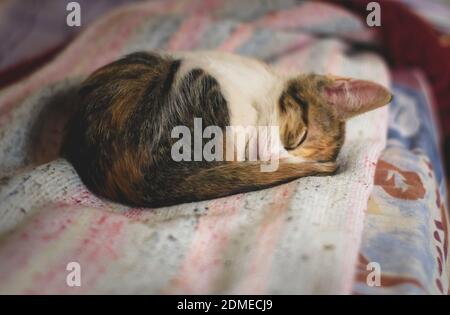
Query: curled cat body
[[121, 140]]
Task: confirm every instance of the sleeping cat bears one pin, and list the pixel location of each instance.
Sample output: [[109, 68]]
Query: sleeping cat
[[120, 138]]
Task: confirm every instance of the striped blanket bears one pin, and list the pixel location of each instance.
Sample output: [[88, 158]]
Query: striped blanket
[[302, 237]]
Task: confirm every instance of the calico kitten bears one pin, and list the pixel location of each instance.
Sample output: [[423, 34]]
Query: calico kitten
[[119, 140]]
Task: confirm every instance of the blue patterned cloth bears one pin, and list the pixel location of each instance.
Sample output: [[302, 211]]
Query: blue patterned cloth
[[406, 227]]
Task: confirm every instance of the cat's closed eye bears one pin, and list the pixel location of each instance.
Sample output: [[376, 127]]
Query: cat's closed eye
[[295, 140], [293, 119]]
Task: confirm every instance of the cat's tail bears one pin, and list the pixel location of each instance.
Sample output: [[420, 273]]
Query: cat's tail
[[237, 177]]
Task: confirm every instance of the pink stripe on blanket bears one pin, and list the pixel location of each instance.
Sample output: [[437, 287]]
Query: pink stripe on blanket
[[192, 29], [90, 237], [202, 264], [26, 243], [200, 7], [295, 56], [260, 260], [239, 36], [103, 54], [189, 34], [312, 14]]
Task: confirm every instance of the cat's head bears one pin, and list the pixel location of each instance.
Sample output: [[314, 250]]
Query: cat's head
[[313, 110]]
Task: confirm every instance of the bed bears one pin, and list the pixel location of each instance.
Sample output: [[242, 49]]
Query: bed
[[387, 205]]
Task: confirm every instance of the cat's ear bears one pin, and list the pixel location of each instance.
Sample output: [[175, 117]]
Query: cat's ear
[[351, 97]]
